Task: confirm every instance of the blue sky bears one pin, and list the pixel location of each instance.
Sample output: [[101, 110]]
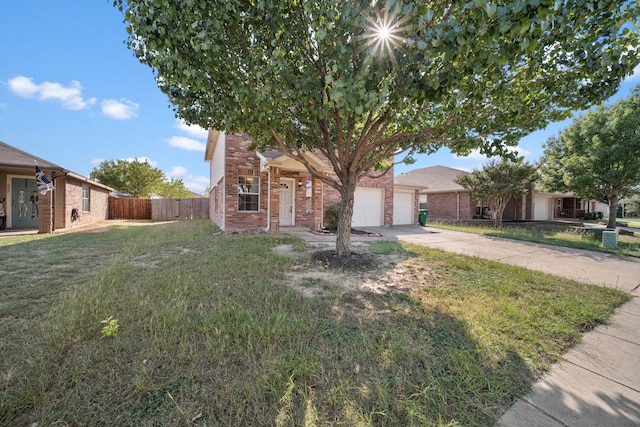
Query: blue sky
[[72, 93]]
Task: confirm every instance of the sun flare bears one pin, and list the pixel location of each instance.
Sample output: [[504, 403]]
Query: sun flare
[[384, 32]]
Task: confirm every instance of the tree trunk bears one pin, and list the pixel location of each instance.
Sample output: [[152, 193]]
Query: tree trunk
[[613, 211], [343, 239]]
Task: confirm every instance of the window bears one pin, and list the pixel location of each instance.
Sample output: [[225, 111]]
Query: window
[[248, 193], [85, 198], [308, 195], [422, 202]]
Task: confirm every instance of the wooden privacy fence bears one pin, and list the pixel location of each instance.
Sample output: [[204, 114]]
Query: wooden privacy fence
[[127, 208], [158, 209], [171, 209]]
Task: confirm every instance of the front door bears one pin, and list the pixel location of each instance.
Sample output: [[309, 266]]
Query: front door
[[287, 187], [23, 203]]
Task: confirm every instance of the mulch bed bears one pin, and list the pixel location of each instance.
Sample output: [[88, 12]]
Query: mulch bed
[[353, 261], [354, 232]]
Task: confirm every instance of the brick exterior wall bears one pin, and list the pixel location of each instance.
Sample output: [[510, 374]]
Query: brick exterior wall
[[45, 213], [309, 204], [241, 161], [443, 206], [416, 208], [98, 203]]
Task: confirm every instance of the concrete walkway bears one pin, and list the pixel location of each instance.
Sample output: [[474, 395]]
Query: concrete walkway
[[598, 383]]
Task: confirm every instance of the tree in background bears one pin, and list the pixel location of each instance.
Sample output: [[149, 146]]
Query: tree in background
[[632, 206], [598, 156], [139, 179], [362, 81], [173, 189], [499, 182]]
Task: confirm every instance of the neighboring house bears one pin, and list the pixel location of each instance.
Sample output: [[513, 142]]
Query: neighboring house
[[446, 200], [251, 189], [440, 194], [26, 208]]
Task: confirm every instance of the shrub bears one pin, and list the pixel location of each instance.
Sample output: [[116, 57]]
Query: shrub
[[332, 216]]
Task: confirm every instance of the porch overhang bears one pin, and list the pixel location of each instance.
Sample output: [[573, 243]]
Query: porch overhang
[[277, 159]]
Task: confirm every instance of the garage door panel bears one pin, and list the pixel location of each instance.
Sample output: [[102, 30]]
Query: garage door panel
[[541, 209], [368, 207], [403, 207]]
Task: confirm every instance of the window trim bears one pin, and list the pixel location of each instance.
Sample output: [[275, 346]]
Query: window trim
[[247, 187], [86, 198]]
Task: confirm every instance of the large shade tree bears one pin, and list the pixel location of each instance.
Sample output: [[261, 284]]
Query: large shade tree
[[137, 178], [498, 183], [363, 81], [598, 156]]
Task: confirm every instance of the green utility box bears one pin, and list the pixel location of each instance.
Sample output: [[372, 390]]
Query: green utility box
[[610, 238], [422, 216]]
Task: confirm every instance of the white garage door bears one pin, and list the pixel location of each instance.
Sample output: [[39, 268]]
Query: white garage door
[[541, 211], [368, 207], [403, 207]]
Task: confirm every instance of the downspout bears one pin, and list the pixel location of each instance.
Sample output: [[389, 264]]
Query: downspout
[[322, 204], [268, 199], [457, 206]]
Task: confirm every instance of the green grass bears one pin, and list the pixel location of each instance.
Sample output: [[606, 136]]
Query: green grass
[[551, 234], [627, 223], [211, 334]]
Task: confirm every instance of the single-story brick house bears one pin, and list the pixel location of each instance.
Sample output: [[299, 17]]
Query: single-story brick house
[[26, 208], [267, 189], [448, 201]]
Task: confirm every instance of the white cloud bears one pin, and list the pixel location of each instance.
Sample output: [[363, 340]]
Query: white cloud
[[193, 182], [70, 96], [476, 155], [177, 172], [192, 142], [120, 110], [186, 143], [192, 130], [23, 86], [142, 160], [97, 161]]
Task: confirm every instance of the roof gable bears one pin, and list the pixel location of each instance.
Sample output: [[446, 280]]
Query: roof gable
[[434, 179]]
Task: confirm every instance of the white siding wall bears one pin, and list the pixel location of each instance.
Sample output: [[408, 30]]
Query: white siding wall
[[217, 162]]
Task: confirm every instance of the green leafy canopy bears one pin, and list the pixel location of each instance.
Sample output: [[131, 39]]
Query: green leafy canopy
[[499, 182], [139, 179], [312, 73], [366, 81], [598, 156]]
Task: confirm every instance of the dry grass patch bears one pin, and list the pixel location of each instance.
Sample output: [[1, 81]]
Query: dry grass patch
[[219, 329]]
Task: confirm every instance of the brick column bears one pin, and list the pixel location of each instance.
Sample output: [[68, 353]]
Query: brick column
[[45, 213], [274, 214], [316, 204]]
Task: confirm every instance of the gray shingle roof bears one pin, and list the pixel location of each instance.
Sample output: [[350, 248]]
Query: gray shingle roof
[[435, 179], [14, 157]]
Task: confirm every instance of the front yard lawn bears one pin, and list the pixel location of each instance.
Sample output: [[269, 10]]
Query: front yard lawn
[[245, 329]]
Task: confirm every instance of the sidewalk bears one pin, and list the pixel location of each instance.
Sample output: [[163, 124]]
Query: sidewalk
[[598, 383]]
